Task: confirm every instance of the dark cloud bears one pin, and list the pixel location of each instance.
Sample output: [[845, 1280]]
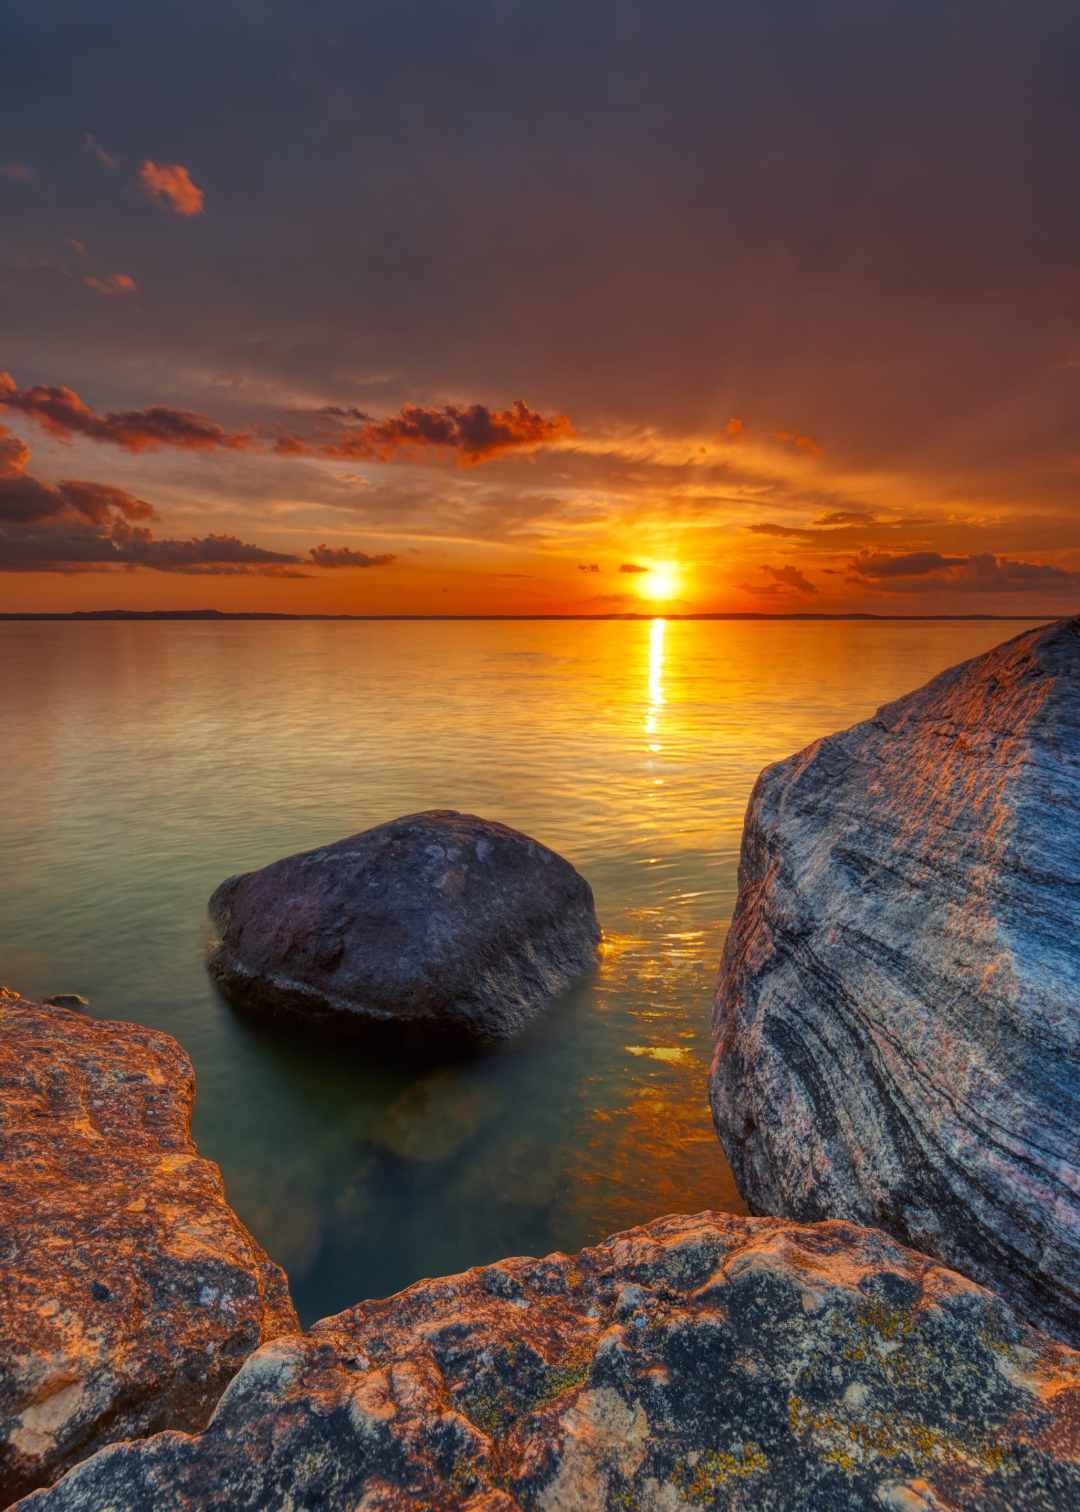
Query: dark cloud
[[60, 410], [790, 577], [78, 525], [475, 432], [983, 572], [910, 564], [632, 567], [345, 556], [783, 532], [588, 567]]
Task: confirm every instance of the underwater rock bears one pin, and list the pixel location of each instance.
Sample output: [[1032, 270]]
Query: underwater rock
[[716, 1361], [897, 1016], [131, 1293], [435, 927]]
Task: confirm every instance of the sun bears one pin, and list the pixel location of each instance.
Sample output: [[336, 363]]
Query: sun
[[660, 582]]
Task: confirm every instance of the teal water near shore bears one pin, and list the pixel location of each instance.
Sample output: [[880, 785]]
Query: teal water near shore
[[146, 762]]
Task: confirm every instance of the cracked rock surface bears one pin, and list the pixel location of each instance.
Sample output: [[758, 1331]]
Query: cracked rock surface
[[715, 1361], [897, 1017], [130, 1292]]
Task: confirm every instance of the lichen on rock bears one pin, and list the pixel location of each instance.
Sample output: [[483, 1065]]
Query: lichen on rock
[[716, 1361], [130, 1293]]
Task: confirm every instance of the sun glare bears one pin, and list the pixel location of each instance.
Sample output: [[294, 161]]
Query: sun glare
[[660, 582]]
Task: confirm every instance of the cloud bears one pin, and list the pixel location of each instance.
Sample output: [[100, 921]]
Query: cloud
[[78, 247], [91, 144], [63, 413], [735, 426], [18, 173], [171, 184], [475, 432], [786, 532], [982, 572], [81, 526], [790, 577], [345, 556], [845, 517], [911, 564], [111, 284], [588, 567], [800, 443], [14, 453], [632, 567]]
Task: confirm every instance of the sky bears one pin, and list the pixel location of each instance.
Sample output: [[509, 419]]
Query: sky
[[478, 306]]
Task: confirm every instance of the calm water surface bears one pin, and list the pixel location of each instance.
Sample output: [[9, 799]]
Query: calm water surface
[[148, 761]]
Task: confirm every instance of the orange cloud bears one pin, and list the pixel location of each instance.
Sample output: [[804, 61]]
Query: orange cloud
[[801, 443], [111, 284], [735, 426], [475, 432], [14, 454], [171, 184], [63, 413]]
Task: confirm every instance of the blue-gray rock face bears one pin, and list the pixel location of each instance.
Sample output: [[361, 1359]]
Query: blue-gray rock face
[[746, 1364], [435, 926], [897, 1017]]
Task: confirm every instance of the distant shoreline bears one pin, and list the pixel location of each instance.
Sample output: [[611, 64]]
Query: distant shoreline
[[215, 616]]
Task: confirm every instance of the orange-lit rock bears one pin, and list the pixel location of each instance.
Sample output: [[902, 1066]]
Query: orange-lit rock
[[898, 1009], [130, 1293], [715, 1361]]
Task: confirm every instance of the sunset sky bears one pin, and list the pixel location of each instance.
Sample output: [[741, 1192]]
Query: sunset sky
[[479, 306]]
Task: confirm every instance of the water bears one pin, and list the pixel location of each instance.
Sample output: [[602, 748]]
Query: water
[[148, 761]]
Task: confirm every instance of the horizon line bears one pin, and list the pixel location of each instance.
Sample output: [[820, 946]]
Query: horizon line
[[270, 614]]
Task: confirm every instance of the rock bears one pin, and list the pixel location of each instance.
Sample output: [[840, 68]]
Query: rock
[[437, 1116], [716, 1361], [898, 1010], [438, 926], [131, 1292], [73, 1000]]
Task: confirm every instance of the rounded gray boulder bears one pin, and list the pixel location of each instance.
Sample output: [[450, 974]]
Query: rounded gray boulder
[[436, 926]]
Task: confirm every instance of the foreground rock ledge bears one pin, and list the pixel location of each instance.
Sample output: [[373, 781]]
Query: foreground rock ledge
[[130, 1293], [436, 926], [898, 1010], [715, 1361]]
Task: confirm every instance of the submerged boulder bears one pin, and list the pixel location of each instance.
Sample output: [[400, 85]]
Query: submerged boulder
[[716, 1361], [130, 1293], [435, 926], [897, 1016]]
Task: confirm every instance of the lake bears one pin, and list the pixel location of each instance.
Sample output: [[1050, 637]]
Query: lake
[[151, 760]]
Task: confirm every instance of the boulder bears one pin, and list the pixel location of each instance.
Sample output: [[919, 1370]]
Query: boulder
[[716, 1361], [131, 1293], [435, 927], [897, 1016]]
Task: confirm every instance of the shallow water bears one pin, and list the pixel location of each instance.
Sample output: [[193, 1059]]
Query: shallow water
[[148, 761]]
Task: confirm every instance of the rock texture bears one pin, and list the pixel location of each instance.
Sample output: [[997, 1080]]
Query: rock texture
[[898, 1011], [716, 1361], [435, 926], [130, 1293]]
